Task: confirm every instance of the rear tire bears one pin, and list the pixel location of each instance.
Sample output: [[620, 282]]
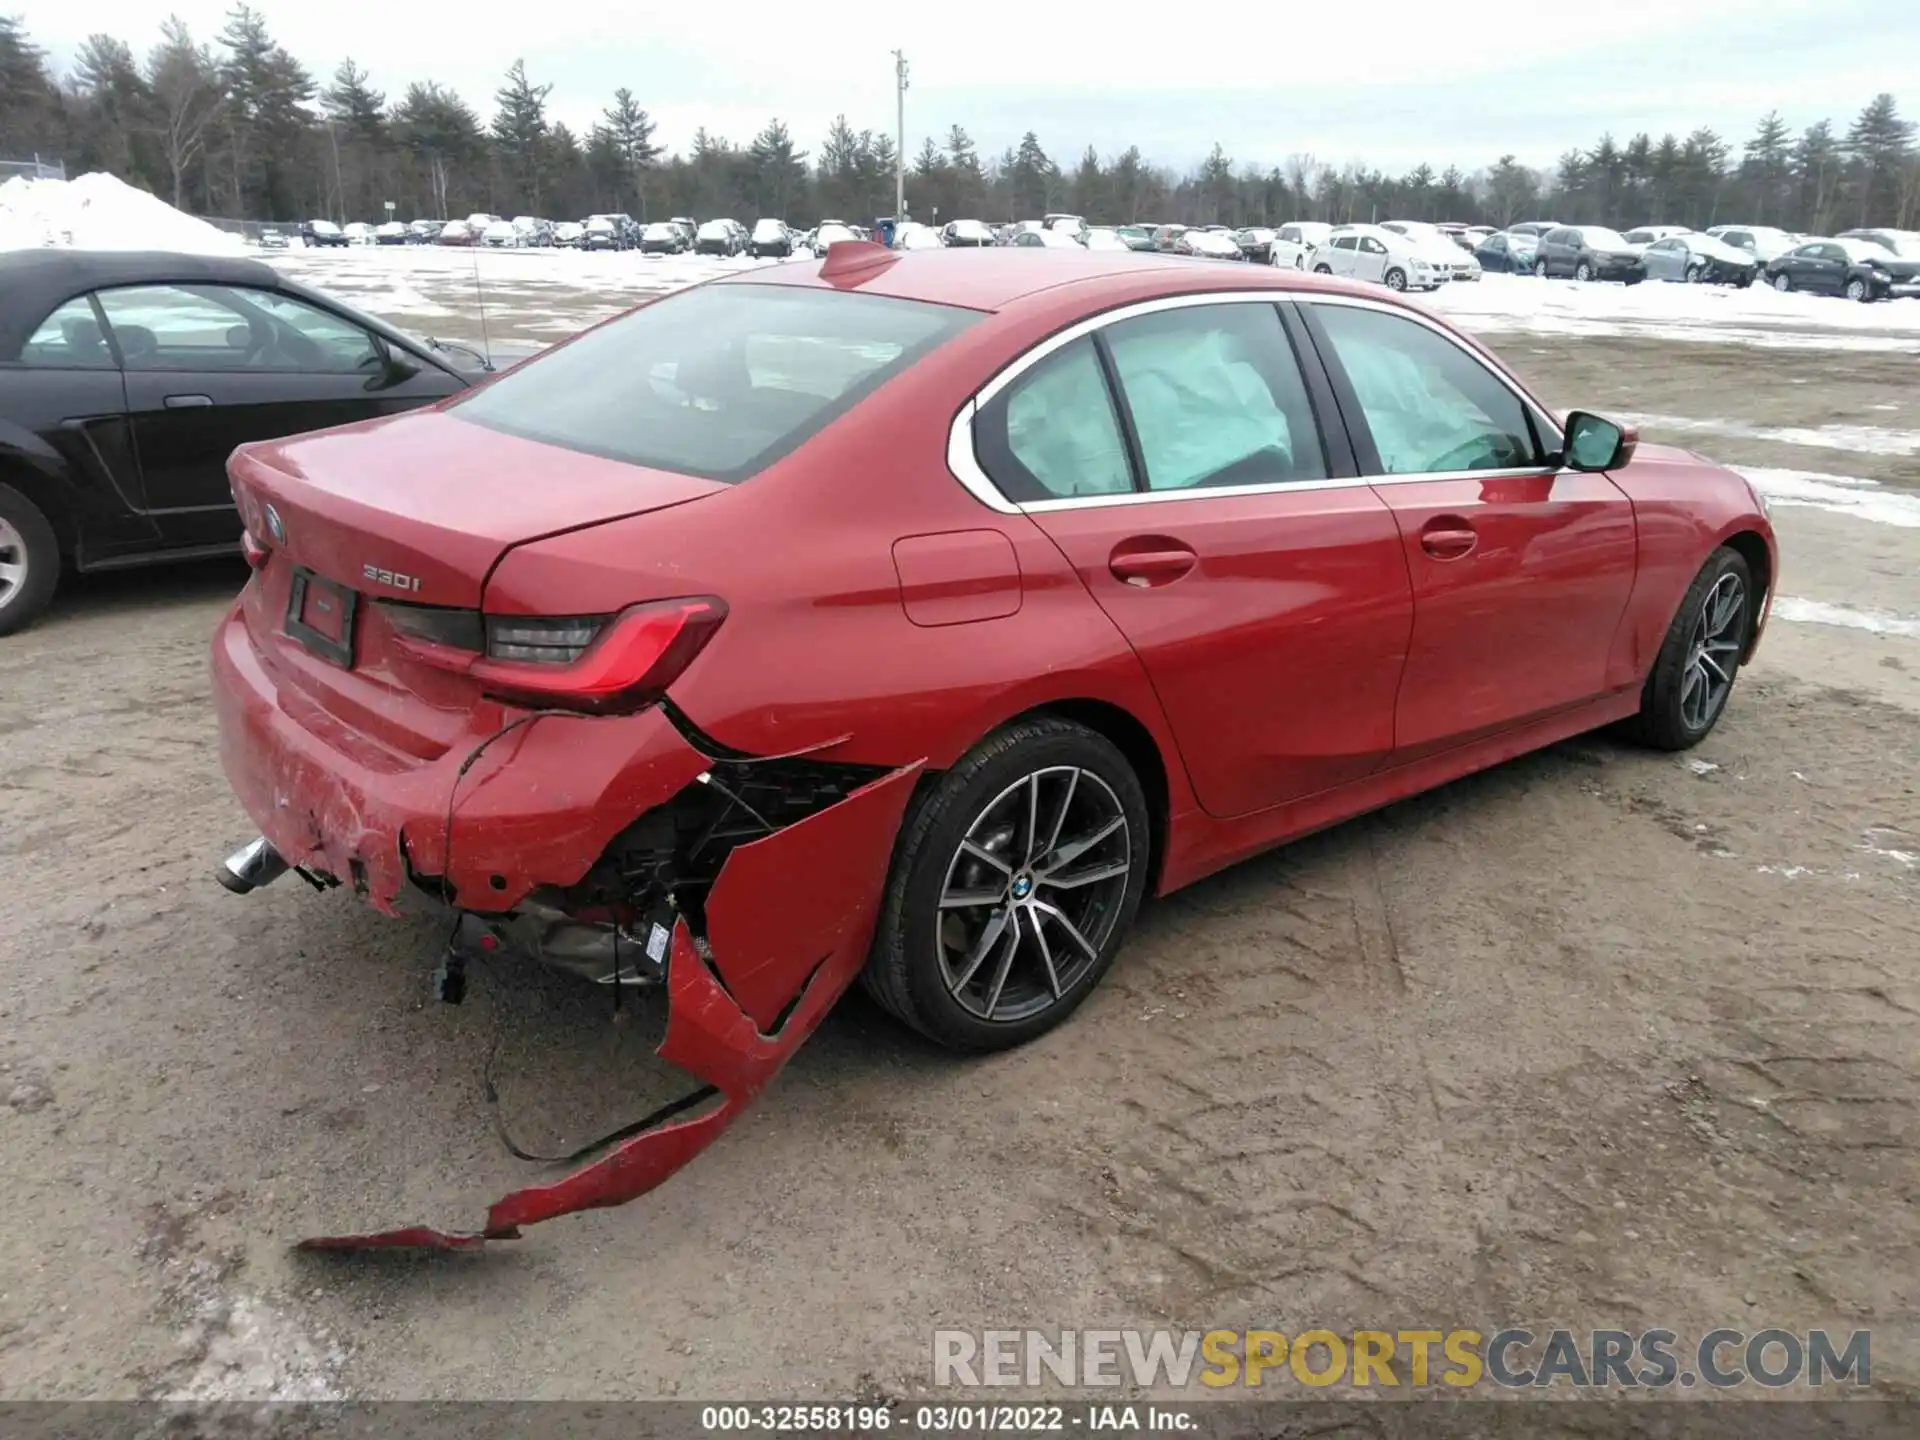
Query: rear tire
[[1692, 678], [1323, 269], [29, 561], [1540, 269], [1783, 282], [943, 968]]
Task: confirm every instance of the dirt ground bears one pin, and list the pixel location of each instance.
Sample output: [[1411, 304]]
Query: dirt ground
[[1599, 1038]]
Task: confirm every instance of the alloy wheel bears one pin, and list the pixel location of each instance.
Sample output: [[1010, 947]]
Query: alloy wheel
[[1856, 290], [1033, 893], [1583, 272], [13, 561], [1713, 652], [1783, 282]]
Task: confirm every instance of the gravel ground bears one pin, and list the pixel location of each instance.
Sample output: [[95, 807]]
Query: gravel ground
[[1598, 1038]]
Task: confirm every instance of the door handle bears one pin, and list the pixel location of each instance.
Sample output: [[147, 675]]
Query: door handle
[[1164, 563], [187, 402], [1448, 537]]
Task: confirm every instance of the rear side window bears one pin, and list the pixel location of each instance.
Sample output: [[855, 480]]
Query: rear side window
[[69, 339], [1053, 433], [717, 382], [1216, 398]]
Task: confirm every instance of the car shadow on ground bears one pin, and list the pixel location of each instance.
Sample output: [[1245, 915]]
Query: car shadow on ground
[[143, 588]]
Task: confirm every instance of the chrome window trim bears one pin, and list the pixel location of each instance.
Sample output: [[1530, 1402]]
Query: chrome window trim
[[966, 468]]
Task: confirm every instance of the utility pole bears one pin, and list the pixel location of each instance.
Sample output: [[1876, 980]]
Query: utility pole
[[900, 137]]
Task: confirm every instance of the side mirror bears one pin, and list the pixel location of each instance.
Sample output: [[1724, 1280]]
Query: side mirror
[[1596, 443]]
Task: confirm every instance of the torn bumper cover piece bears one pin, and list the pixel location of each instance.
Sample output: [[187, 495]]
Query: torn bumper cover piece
[[789, 920]]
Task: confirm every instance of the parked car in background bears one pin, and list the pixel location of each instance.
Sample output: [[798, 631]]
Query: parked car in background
[[912, 235], [1208, 245], [662, 237], [457, 232], [770, 239], [1589, 252], [570, 235], [272, 238], [1700, 260], [1295, 242], [1647, 234], [1904, 243], [1045, 240], [502, 235], [686, 227], [1441, 247], [323, 232], [1256, 243], [967, 234], [1469, 239], [1535, 228], [1857, 269], [425, 232], [120, 339], [831, 232], [1762, 241], [1165, 237], [1074, 225], [1104, 237], [1138, 237], [717, 237], [358, 232], [602, 232], [391, 233], [533, 231], [1505, 254], [480, 220], [1367, 252]]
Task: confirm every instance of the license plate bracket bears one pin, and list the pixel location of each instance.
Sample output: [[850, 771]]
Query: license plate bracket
[[320, 616]]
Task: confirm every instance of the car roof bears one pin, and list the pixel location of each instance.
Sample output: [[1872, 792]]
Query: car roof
[[998, 278], [34, 282]]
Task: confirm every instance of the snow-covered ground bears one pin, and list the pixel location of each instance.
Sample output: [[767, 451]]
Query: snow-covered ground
[[98, 212]]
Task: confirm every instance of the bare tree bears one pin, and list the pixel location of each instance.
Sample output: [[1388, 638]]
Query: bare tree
[[186, 92]]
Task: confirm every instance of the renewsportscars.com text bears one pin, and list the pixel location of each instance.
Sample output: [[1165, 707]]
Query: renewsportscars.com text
[[1511, 1358]]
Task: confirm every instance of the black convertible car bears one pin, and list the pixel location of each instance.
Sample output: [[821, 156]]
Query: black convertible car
[[126, 380]]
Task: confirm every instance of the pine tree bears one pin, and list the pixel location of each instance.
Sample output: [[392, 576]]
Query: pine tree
[[630, 131], [27, 109], [355, 106], [1878, 145], [1764, 167], [1511, 191], [520, 133], [779, 171], [1816, 160], [1030, 178]]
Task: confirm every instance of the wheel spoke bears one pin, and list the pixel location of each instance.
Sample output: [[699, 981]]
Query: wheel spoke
[[971, 899], [1033, 816], [1069, 853], [1046, 955], [1060, 820], [1723, 647], [1040, 907], [1085, 877], [986, 855], [988, 936], [1005, 967], [1709, 665]]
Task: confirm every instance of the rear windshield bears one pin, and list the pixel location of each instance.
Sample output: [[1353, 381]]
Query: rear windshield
[[716, 382]]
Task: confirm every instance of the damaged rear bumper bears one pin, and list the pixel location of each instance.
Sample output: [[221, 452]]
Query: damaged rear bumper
[[537, 807], [788, 924]]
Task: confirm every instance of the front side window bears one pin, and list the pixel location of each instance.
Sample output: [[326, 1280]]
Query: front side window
[[1053, 434], [1346, 242], [69, 339], [1216, 398], [1430, 406], [718, 381], [222, 327]]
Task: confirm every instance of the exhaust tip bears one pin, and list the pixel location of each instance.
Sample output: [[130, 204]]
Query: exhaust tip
[[251, 866]]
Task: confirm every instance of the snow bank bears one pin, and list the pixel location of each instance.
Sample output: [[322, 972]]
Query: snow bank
[[99, 212]]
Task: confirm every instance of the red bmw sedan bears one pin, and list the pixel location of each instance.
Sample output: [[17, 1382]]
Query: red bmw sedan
[[907, 617]]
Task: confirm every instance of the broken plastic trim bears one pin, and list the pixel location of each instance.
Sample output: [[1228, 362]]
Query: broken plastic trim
[[789, 920]]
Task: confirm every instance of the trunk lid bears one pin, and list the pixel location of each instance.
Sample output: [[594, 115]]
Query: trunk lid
[[420, 507]]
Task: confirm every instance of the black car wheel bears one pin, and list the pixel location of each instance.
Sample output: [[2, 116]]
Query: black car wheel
[[1583, 271], [29, 560], [1696, 274], [1014, 880], [1396, 279], [1323, 269], [1540, 269], [1693, 675], [1857, 289], [1783, 282]]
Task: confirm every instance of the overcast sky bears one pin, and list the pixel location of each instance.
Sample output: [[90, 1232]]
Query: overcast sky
[[1388, 82]]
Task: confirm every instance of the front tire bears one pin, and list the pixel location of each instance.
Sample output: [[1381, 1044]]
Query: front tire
[[1323, 269], [1583, 272], [1015, 879], [1687, 691], [29, 561], [1396, 279], [1857, 291], [1696, 275]]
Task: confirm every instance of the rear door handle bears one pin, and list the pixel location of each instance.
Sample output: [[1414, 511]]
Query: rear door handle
[[1164, 563], [187, 402], [1448, 537]]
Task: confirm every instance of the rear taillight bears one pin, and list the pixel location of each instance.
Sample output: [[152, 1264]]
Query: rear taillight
[[601, 665], [256, 554]]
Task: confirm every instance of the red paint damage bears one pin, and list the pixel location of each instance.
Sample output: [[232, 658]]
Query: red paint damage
[[789, 920]]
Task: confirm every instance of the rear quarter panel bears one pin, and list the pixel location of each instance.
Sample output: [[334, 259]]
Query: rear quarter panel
[[1684, 508]]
